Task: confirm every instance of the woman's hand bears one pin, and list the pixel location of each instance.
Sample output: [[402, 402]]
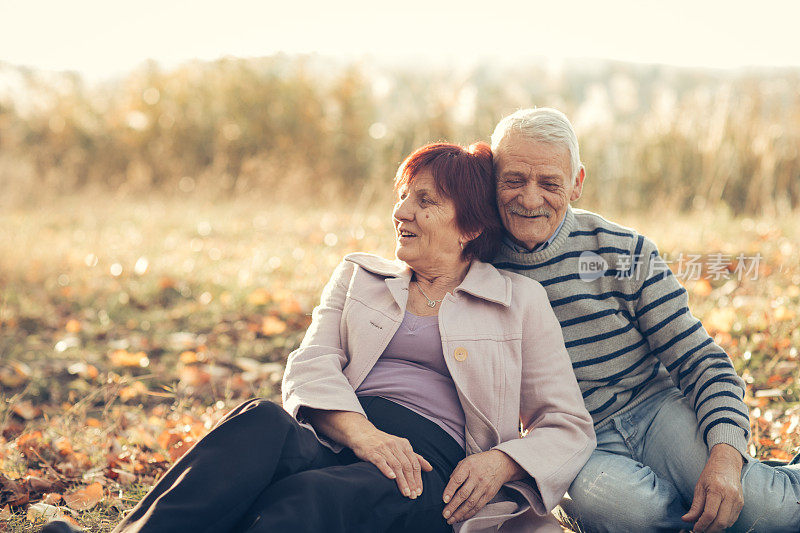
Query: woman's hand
[[475, 481], [394, 457]]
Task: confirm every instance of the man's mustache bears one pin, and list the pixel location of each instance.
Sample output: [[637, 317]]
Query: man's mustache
[[516, 209]]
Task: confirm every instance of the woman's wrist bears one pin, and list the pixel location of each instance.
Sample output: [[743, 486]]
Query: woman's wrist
[[344, 427]]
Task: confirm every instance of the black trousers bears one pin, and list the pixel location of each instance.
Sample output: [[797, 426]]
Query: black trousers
[[259, 471]]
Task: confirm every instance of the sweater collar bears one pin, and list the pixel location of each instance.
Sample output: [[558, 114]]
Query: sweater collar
[[482, 279]]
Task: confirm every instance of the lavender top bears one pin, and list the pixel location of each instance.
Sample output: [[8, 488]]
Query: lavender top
[[412, 372]]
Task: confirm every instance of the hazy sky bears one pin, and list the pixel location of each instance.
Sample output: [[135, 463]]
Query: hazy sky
[[104, 37]]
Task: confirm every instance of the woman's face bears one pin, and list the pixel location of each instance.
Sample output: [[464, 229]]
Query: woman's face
[[425, 226]]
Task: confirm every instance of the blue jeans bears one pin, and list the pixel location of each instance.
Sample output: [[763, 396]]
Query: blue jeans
[[642, 476]]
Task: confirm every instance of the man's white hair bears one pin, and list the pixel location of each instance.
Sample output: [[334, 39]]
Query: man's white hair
[[541, 124]]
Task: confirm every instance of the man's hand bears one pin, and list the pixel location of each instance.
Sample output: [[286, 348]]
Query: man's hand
[[476, 480], [718, 497]]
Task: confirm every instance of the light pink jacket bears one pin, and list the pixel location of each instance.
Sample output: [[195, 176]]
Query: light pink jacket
[[504, 349]]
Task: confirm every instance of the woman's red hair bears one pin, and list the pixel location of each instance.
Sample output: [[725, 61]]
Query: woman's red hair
[[464, 175]]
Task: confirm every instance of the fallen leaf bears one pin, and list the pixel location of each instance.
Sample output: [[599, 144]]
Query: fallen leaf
[[86, 498], [248, 364], [784, 314], [177, 451], [782, 344], [30, 444], [122, 477], [38, 484], [702, 287], [128, 359], [42, 511], [769, 393], [63, 446], [181, 340], [766, 441], [168, 438], [14, 374], [5, 514], [14, 493], [73, 326], [26, 410], [271, 325], [258, 297], [80, 459], [779, 454], [84, 370], [136, 389], [775, 379], [52, 498], [720, 320], [12, 429], [193, 376], [290, 306], [188, 357]]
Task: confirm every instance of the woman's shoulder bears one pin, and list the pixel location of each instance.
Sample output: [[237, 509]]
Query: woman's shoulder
[[513, 290], [525, 292], [376, 264], [359, 271], [523, 285]]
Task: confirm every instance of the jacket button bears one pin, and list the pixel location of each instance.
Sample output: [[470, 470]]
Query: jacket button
[[460, 354]]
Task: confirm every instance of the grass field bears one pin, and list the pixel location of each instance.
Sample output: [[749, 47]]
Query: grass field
[[128, 327]]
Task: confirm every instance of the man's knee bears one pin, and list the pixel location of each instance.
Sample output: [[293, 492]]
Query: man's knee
[[771, 500], [604, 502]]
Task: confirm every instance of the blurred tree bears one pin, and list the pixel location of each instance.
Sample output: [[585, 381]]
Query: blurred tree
[[307, 124]]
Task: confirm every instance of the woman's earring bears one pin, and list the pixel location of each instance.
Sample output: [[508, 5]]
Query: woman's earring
[[461, 243]]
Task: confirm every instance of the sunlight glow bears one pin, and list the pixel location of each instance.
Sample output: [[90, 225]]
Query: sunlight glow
[[100, 38]]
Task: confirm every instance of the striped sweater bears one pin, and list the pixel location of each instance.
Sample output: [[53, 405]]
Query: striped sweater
[[628, 328]]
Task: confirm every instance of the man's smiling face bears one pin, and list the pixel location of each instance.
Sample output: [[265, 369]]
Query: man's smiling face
[[534, 187]]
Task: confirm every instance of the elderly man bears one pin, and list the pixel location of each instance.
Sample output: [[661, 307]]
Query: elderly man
[[672, 429]]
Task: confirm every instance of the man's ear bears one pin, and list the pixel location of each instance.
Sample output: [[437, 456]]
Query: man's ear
[[577, 187]]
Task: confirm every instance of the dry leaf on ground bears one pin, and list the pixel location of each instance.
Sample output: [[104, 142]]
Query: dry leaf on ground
[[85, 498]]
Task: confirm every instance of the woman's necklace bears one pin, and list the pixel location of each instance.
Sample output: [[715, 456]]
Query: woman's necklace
[[431, 303]]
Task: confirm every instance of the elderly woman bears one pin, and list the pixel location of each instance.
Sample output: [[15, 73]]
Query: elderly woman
[[402, 406]]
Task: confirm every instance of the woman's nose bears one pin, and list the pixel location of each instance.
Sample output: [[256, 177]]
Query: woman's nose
[[402, 211]]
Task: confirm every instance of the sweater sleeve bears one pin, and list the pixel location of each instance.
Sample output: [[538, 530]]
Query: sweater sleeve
[[313, 376], [559, 433], [699, 367]]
